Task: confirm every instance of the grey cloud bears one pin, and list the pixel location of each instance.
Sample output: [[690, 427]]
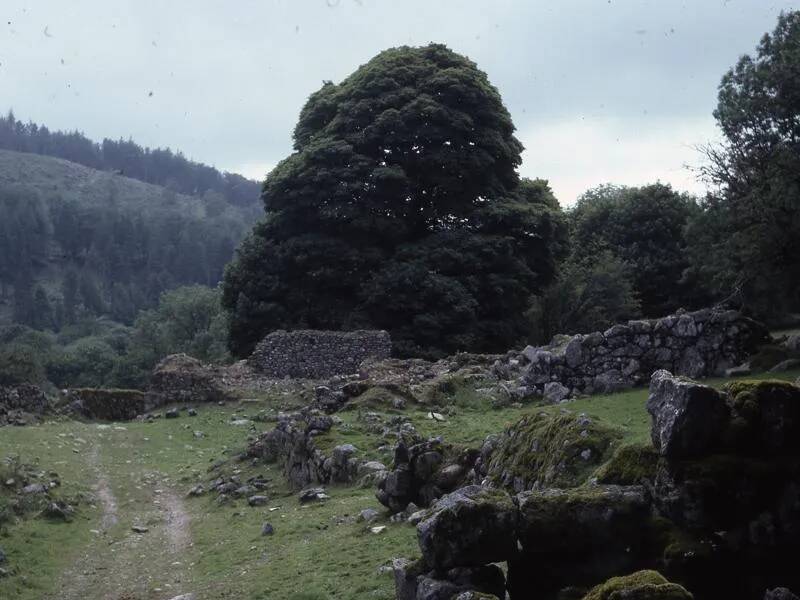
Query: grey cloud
[[228, 78]]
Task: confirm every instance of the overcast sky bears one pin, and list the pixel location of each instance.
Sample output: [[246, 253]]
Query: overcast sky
[[600, 90]]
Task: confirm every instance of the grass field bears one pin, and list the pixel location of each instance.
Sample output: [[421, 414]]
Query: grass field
[[139, 473]]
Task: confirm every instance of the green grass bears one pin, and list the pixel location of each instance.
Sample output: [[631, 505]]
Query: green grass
[[40, 549], [318, 552]]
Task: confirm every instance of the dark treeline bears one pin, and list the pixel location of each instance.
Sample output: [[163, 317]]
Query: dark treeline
[[158, 166], [61, 261]]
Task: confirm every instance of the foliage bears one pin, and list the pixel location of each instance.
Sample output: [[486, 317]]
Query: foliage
[[97, 352], [23, 354], [401, 209], [87, 362], [747, 242], [588, 295], [644, 228]]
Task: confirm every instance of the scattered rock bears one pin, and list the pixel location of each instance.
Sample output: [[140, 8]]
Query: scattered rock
[[59, 510], [35, 488], [192, 412], [258, 500], [267, 529], [312, 495], [197, 490], [172, 413], [378, 529], [368, 515], [139, 529]]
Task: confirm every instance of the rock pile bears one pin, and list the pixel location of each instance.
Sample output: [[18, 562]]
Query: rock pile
[[181, 378], [21, 404], [292, 443], [695, 344], [423, 472], [716, 508], [314, 354]]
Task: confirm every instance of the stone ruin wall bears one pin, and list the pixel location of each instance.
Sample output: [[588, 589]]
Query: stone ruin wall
[[314, 354], [696, 344]]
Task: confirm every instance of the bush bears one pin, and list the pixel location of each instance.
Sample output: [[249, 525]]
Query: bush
[[20, 364], [87, 362]]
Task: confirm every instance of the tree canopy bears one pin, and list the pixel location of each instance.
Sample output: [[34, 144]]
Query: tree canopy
[[400, 208], [642, 227], [747, 243]]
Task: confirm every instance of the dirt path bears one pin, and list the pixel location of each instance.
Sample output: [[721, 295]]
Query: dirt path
[[121, 564], [104, 493]]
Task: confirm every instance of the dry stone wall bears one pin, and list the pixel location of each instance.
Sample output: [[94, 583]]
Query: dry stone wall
[[106, 404], [18, 404], [314, 354], [695, 344]]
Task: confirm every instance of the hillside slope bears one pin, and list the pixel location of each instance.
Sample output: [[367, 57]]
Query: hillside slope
[[80, 240]]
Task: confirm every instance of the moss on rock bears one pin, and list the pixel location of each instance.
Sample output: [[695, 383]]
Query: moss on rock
[[642, 585], [765, 417], [630, 464], [551, 450], [583, 519], [760, 389]]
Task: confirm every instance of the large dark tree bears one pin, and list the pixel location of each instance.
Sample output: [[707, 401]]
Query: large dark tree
[[400, 208], [746, 245]]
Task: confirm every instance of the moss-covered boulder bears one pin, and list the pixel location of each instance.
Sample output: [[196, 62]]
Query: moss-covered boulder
[[582, 520], [765, 417], [577, 537], [642, 585], [472, 526], [551, 450], [630, 464], [723, 491]]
